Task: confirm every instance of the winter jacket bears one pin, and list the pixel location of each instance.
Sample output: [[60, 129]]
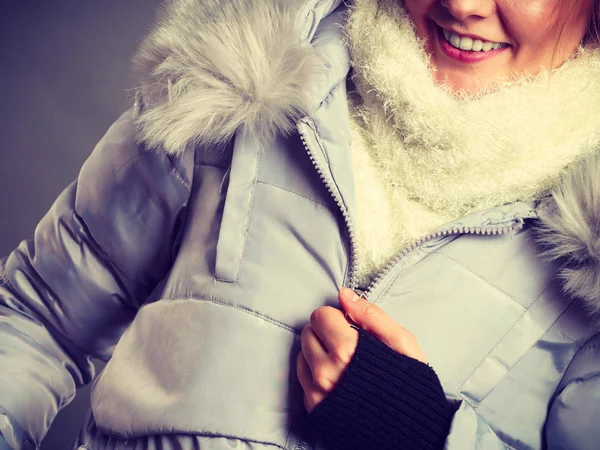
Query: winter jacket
[[219, 212]]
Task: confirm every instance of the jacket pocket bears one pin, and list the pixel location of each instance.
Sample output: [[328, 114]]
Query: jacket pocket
[[241, 185]]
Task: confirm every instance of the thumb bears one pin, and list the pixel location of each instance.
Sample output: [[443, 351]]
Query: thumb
[[375, 321]]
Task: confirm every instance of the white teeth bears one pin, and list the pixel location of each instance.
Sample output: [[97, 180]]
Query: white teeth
[[477, 45], [468, 44], [487, 46], [455, 41]]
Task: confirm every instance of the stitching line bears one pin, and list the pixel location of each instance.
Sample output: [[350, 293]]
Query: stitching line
[[247, 223], [525, 311], [179, 176], [144, 434], [310, 9], [517, 361], [395, 277], [292, 192], [88, 238], [127, 163], [337, 84], [3, 263], [483, 279], [249, 214], [240, 308]]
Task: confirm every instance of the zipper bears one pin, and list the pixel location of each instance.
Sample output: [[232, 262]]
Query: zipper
[[329, 184], [484, 231], [493, 230]]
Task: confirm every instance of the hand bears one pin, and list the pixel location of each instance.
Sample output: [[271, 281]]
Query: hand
[[329, 342]]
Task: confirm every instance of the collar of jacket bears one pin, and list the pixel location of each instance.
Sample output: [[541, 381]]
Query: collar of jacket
[[210, 68]]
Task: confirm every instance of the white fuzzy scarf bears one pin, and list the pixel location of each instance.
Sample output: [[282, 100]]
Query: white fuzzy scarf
[[424, 157]]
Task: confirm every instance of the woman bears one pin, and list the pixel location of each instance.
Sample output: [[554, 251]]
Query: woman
[[264, 167]]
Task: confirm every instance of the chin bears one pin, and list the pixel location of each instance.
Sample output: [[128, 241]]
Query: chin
[[459, 84], [470, 84]]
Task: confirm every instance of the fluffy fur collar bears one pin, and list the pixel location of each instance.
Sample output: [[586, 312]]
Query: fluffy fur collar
[[210, 68]]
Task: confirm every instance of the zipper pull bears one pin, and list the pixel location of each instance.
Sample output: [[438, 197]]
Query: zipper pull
[[353, 324]]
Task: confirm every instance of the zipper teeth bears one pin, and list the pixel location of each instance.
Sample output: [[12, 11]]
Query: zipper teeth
[[486, 231], [338, 200]]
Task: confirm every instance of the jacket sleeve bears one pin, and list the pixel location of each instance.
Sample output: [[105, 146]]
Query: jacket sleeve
[[69, 293], [574, 418]]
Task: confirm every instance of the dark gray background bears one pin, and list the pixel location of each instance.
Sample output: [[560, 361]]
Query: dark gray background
[[64, 71]]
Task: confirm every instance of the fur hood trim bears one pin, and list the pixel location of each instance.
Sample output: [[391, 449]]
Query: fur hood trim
[[570, 233], [210, 68]]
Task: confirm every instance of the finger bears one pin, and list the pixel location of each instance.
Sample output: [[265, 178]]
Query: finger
[[374, 320], [304, 373], [312, 348], [332, 329], [368, 316], [313, 395]]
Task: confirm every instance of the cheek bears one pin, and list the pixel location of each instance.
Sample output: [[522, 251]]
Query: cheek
[[536, 26], [531, 21]]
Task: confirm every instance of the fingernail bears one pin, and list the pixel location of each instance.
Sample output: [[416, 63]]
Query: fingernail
[[349, 294]]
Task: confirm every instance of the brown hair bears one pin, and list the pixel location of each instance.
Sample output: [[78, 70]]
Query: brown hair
[[592, 36]]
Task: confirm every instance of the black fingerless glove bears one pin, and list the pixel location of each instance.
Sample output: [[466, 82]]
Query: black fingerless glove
[[383, 401]]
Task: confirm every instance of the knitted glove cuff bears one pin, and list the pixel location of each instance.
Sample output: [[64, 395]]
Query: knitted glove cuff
[[384, 400]]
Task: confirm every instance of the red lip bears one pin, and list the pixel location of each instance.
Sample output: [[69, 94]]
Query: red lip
[[465, 56]]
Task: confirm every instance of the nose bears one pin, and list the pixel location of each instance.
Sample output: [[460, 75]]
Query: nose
[[463, 9]]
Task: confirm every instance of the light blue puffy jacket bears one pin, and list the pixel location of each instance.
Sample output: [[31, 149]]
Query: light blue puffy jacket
[[217, 214]]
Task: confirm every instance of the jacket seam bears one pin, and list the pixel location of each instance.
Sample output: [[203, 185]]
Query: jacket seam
[[585, 346], [308, 11], [239, 308], [247, 225], [98, 248], [583, 380], [475, 405], [394, 278], [292, 192], [178, 175], [127, 163], [336, 85], [5, 278], [249, 213], [481, 278], [178, 433], [175, 170], [171, 165]]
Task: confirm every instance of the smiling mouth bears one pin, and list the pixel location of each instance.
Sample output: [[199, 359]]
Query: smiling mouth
[[468, 44]]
